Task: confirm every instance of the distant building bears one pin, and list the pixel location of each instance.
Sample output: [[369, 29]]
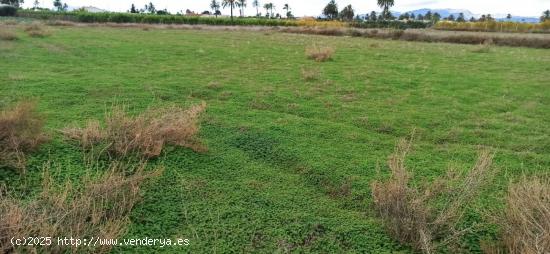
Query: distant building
[[92, 9]]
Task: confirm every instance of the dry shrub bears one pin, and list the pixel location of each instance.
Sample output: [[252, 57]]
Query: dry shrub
[[37, 30], [409, 212], [319, 54], [144, 135], [309, 74], [485, 47], [7, 35], [526, 220], [98, 208], [20, 133]]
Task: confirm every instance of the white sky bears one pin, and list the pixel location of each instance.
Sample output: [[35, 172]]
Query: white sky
[[314, 7]]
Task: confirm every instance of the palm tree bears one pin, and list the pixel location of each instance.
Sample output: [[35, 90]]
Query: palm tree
[[385, 5], [215, 6], [256, 4], [287, 8], [268, 7], [242, 4], [231, 4]]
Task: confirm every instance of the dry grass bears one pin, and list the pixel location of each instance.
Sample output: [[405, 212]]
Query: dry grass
[[20, 132], [526, 219], [319, 54], [309, 74], [7, 35], [37, 30], [409, 212], [100, 208], [144, 135], [485, 47]]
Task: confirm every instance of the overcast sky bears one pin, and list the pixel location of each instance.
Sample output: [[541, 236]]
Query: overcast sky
[[314, 7]]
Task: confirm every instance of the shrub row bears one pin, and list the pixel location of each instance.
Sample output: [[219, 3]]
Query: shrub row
[[493, 26], [392, 24], [87, 17]]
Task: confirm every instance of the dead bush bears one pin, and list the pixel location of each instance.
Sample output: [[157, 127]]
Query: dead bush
[[99, 208], [319, 54], [20, 133], [7, 35], [309, 74], [526, 219], [37, 30], [409, 213], [144, 135], [485, 47]]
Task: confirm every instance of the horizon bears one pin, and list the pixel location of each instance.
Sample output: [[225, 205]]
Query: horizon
[[528, 8]]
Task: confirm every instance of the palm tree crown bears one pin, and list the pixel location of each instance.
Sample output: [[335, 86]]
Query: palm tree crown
[[385, 5]]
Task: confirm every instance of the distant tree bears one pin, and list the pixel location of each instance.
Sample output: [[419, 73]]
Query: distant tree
[[404, 16], [472, 19], [412, 16], [385, 5], [65, 7], [133, 9], [256, 4], [269, 9], [241, 4], [483, 18], [451, 17], [460, 17], [545, 16], [436, 17], [420, 17], [205, 13], [509, 16], [231, 4], [150, 8], [347, 13], [58, 5], [490, 18], [428, 16], [36, 4], [215, 6], [16, 3], [331, 10], [372, 16], [289, 15], [287, 8]]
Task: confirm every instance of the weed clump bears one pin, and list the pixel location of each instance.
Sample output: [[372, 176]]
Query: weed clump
[[409, 213], [319, 54], [37, 30], [100, 208], [7, 35], [20, 133], [526, 219], [310, 74], [144, 135]]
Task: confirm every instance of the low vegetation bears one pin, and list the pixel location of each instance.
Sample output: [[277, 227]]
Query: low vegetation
[[98, 207], [21, 131], [38, 30], [144, 135], [319, 53], [7, 35], [410, 213], [493, 26], [526, 219]]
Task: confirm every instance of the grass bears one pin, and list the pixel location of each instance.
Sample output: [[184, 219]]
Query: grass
[[294, 171]]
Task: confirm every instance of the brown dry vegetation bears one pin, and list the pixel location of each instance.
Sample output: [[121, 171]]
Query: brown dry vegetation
[[309, 74], [100, 208], [20, 132], [7, 35], [144, 135], [37, 30], [319, 54], [409, 214], [526, 219]]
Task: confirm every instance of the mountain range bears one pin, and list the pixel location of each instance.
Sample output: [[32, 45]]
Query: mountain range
[[467, 15]]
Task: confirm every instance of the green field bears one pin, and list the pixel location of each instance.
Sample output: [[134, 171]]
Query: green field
[[284, 150]]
